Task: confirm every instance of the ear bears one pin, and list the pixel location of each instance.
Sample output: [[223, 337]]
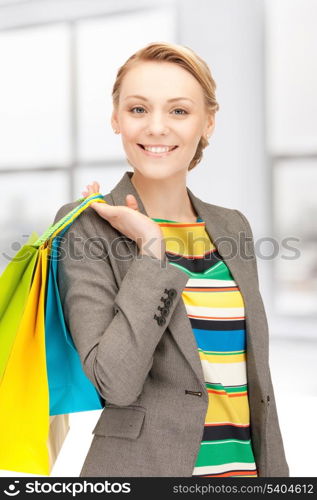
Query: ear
[[211, 122], [114, 120]]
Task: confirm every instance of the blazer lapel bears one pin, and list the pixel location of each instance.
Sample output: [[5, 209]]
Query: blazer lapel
[[226, 239]]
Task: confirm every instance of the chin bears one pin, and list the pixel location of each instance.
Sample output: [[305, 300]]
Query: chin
[[157, 171]]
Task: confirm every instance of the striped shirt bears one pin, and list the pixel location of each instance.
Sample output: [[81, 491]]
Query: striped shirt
[[215, 308]]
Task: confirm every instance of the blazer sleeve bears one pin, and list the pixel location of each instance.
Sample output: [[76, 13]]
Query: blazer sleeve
[[113, 327]]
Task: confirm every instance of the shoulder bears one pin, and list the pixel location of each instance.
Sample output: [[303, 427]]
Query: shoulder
[[64, 210], [87, 217], [88, 212], [232, 217], [87, 222]]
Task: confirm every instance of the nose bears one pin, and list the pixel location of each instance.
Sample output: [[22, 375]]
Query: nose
[[157, 124]]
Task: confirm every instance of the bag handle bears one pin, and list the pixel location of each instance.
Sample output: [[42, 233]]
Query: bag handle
[[68, 219]]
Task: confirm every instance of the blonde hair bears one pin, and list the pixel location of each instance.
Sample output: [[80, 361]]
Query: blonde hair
[[187, 59]]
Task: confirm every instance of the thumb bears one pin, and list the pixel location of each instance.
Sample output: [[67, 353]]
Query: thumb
[[131, 202]]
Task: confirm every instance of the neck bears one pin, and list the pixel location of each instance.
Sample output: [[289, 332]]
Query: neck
[[165, 198]]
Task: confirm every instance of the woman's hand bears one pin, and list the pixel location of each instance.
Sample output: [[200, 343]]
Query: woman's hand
[[131, 222]]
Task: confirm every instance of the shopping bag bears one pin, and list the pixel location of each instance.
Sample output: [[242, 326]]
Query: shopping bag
[[59, 427], [15, 283], [28, 438], [70, 390], [23, 429], [24, 403]]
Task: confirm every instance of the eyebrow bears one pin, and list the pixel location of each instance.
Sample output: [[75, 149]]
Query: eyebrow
[[168, 100]]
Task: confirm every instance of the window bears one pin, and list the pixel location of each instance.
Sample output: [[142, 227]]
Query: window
[[55, 110], [292, 145]]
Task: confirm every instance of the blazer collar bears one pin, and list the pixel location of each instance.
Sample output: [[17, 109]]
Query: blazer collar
[[221, 226]]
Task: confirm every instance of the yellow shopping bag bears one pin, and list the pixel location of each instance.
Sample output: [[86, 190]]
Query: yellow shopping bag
[[24, 398]]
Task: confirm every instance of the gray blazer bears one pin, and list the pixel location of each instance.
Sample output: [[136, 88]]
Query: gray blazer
[[143, 367]]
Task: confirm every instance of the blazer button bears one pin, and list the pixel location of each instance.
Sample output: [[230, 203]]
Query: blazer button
[[161, 321], [172, 293], [164, 310], [168, 302]]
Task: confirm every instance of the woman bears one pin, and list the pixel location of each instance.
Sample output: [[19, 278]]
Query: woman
[[170, 328]]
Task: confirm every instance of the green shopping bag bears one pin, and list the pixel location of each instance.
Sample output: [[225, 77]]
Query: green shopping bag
[[15, 284]]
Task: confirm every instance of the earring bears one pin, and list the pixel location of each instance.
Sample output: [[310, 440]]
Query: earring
[[116, 131]]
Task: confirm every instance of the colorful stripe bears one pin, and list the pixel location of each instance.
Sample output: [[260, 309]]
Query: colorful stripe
[[215, 308]]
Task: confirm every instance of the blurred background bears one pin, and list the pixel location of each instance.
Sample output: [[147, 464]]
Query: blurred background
[[58, 63]]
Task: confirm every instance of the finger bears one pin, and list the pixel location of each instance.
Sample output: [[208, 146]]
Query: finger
[[93, 188], [104, 209], [96, 186], [88, 188], [131, 202]]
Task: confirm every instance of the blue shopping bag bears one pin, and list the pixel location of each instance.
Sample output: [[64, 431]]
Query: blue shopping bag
[[70, 390]]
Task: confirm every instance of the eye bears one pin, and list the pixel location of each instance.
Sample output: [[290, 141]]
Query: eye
[[180, 109], [136, 107]]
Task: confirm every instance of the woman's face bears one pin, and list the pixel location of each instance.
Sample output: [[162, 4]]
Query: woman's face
[[161, 104]]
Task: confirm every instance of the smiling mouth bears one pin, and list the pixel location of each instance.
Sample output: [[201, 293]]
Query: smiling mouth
[[161, 149]]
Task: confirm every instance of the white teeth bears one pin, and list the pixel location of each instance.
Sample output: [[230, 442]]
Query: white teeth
[[158, 149]]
